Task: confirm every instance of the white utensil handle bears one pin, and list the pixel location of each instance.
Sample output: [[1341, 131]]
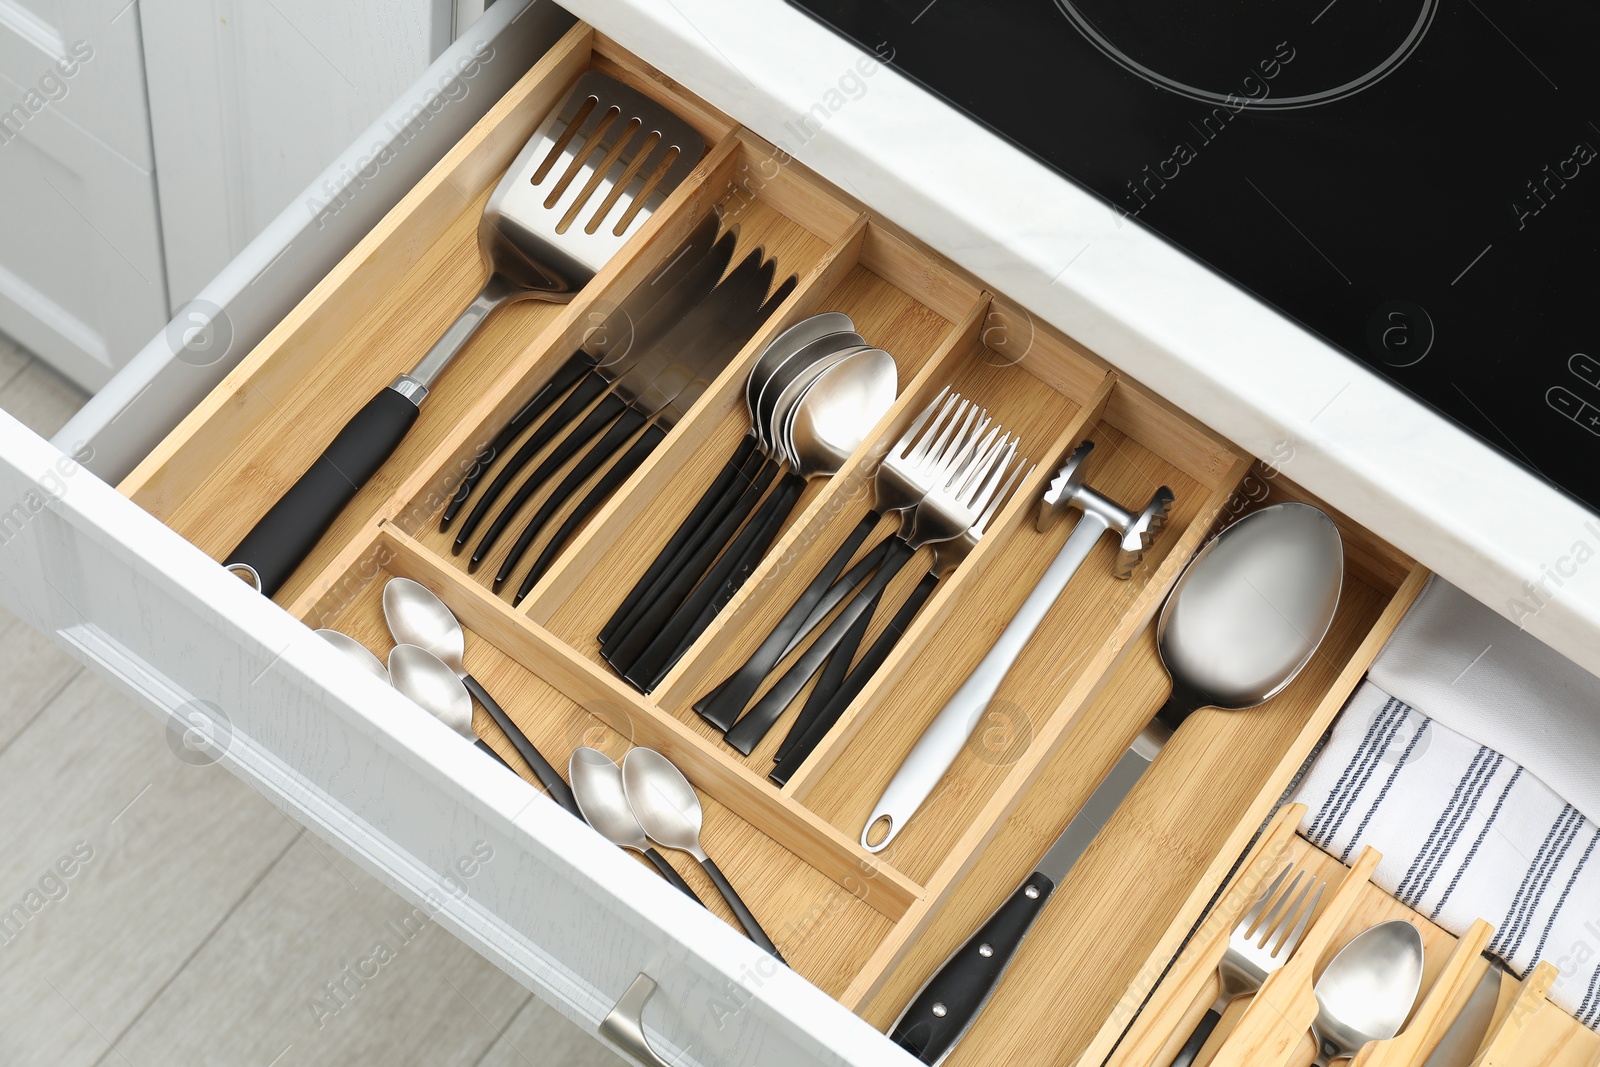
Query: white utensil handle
[[947, 734]]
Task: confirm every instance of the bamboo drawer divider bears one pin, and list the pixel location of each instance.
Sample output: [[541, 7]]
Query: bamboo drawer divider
[[867, 929]]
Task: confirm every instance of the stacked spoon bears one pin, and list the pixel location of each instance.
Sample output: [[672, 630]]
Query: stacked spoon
[[812, 397]]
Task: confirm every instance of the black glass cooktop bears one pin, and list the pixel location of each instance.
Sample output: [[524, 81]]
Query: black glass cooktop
[[1417, 181]]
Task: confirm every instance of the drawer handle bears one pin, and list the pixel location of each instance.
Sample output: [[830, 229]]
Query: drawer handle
[[625, 1024]]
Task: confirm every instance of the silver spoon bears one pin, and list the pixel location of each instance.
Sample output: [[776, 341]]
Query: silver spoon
[[358, 654], [1368, 991], [426, 679], [597, 785], [1244, 618], [418, 617], [669, 810]]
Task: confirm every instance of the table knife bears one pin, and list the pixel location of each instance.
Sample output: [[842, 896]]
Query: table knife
[[1461, 1042]]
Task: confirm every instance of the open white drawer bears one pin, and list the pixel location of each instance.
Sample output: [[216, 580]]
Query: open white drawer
[[574, 918]]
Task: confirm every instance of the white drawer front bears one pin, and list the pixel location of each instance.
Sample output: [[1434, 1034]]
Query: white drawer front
[[240, 681]]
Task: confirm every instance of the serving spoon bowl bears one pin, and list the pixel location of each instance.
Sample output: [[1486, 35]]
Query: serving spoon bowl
[[1368, 990]]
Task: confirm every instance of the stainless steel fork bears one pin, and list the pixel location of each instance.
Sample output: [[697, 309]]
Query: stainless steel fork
[[840, 684], [1260, 944]]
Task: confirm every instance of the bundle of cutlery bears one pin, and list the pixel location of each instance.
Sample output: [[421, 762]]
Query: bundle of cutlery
[[647, 364], [596, 169], [947, 476], [812, 397]]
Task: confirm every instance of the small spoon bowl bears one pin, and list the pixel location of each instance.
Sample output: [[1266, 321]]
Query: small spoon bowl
[[1368, 990], [358, 654], [663, 801], [416, 616], [426, 679], [786, 344], [597, 785], [840, 408]]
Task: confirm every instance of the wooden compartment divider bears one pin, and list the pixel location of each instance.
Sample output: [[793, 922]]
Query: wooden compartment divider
[[1094, 973]]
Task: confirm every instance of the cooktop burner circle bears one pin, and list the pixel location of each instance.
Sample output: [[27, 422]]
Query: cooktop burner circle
[[1242, 96]]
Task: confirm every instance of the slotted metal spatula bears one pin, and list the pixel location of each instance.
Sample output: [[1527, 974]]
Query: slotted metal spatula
[[595, 170]]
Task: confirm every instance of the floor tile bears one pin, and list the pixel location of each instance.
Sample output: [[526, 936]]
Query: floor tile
[[117, 861]]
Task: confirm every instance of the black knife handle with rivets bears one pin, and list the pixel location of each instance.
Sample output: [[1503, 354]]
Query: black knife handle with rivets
[[953, 998]]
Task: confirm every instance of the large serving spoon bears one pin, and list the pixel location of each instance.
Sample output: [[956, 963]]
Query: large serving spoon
[[1243, 620], [1368, 991], [418, 617], [361, 656], [427, 680], [818, 423], [669, 810], [597, 785]]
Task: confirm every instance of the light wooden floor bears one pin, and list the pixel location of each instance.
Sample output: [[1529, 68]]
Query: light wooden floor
[[198, 924]]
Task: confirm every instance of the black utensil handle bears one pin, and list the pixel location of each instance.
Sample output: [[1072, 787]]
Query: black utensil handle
[[481, 743], [742, 913], [748, 731], [941, 1013], [715, 502], [806, 734], [565, 377], [835, 671], [542, 770], [670, 873], [720, 583], [587, 392], [632, 640], [625, 427], [618, 473], [723, 705], [598, 419], [1198, 1039], [283, 537]]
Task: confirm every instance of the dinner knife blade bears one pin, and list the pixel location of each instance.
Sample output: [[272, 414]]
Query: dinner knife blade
[[1461, 1042]]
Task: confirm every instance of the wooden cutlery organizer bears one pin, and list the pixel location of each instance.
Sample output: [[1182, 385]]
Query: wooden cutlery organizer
[[866, 929]]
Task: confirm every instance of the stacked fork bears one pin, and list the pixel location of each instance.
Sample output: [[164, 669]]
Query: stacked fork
[[947, 475], [1259, 945]]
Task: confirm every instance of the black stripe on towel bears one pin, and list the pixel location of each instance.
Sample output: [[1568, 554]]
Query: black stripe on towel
[[1555, 912], [1336, 794], [1573, 820], [1472, 853], [1388, 784], [1490, 768], [1428, 855], [1363, 774]]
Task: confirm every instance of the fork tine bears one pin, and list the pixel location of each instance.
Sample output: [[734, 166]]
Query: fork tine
[[1001, 495], [1274, 941], [910, 438], [957, 407], [983, 483], [1248, 923], [957, 428], [958, 456], [1293, 940], [1268, 921], [976, 449]]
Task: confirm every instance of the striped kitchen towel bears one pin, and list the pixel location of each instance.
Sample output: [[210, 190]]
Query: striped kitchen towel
[[1465, 833]]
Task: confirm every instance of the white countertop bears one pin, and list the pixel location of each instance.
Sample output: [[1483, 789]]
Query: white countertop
[[1371, 451]]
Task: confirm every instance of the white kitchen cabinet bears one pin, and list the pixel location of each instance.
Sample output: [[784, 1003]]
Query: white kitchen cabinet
[[81, 273], [240, 680]]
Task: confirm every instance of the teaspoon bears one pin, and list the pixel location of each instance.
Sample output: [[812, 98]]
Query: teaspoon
[[597, 785], [1368, 991]]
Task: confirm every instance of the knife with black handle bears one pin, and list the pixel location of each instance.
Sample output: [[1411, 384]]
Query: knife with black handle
[[947, 1006]]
